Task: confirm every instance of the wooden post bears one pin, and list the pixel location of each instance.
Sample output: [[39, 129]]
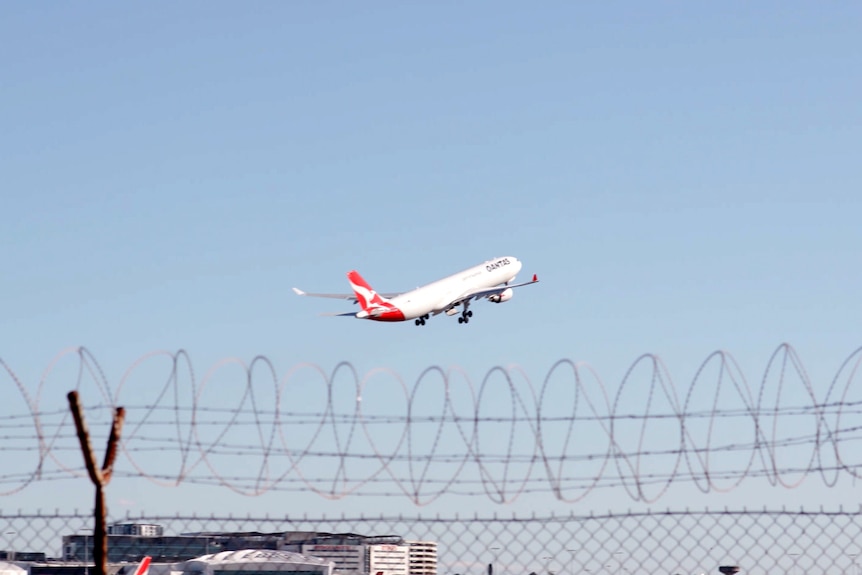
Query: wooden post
[[99, 476]]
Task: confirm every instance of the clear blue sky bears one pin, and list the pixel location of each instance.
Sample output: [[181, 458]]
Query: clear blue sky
[[683, 177]]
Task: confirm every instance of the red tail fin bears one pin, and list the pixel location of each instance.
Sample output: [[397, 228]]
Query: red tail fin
[[144, 566], [365, 295]]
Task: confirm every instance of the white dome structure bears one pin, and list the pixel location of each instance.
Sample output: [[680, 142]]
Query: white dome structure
[[257, 562], [7, 568]]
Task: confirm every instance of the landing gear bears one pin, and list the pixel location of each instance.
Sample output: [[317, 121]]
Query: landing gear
[[465, 315], [421, 320]]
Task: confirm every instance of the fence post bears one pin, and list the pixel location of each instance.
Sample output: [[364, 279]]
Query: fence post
[[99, 476]]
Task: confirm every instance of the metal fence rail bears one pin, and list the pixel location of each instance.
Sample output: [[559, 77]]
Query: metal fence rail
[[667, 542]]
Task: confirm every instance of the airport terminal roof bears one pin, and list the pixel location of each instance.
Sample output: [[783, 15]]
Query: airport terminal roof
[[282, 560]]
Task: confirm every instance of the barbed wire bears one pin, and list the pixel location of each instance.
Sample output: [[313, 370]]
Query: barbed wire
[[245, 428]]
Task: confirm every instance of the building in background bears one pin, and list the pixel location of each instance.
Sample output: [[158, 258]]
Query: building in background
[[24, 556], [142, 529], [423, 557], [388, 560], [349, 559], [131, 548], [350, 553]]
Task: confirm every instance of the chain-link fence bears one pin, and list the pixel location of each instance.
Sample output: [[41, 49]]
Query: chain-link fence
[[563, 437], [793, 542]]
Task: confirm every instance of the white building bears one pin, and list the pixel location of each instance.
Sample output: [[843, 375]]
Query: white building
[[388, 560], [348, 559], [423, 557]]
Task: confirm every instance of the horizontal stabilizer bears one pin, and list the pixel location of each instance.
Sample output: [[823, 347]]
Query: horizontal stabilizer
[[346, 296]]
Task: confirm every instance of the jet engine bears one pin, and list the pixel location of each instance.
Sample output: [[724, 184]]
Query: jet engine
[[505, 295]]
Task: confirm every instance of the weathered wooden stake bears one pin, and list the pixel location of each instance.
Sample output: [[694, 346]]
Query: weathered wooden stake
[[99, 477]]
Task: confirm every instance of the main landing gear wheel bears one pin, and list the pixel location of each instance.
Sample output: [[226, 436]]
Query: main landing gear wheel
[[421, 320], [465, 317]]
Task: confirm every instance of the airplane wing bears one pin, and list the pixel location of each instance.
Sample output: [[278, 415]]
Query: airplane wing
[[488, 292], [346, 296]]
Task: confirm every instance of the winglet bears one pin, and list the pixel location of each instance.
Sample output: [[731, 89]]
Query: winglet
[[535, 278], [298, 291]]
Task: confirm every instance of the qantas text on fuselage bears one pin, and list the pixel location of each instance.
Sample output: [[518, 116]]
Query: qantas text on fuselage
[[491, 280]]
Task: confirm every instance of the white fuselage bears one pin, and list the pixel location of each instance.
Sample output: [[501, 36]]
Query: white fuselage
[[439, 295]]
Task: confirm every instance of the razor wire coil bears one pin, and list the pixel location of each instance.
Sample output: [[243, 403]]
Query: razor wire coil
[[342, 434]]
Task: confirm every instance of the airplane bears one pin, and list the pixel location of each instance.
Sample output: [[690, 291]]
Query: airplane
[[490, 280]]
